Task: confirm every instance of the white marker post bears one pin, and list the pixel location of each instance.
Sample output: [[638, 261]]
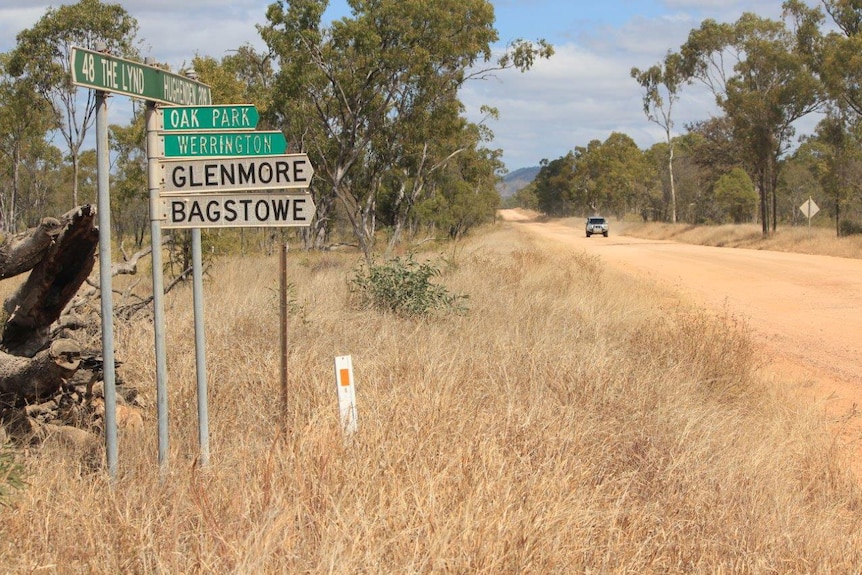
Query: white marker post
[[346, 393]]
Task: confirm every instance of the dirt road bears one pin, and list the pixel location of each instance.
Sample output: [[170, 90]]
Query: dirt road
[[805, 312]]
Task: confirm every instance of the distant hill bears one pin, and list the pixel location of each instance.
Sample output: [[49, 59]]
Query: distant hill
[[515, 181]]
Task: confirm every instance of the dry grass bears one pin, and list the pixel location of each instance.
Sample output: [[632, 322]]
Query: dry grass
[[800, 239], [571, 423]]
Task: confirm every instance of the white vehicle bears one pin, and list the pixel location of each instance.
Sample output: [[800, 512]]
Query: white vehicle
[[597, 225]]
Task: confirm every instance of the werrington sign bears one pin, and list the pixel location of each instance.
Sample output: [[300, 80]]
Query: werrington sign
[[208, 144], [239, 173]]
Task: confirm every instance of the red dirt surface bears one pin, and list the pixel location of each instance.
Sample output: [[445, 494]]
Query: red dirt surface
[[804, 312]]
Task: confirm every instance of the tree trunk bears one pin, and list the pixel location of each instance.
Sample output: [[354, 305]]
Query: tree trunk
[[670, 175], [60, 255], [20, 253], [30, 379]]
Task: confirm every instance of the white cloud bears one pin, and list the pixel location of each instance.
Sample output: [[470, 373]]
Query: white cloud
[[583, 92]]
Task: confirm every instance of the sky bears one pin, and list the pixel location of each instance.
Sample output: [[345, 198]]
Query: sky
[[583, 93]]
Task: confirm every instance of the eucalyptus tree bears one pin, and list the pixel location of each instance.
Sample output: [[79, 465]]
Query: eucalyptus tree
[[24, 122], [243, 76], [42, 54], [345, 89], [838, 141], [129, 188], [770, 85], [734, 193], [556, 187], [836, 55], [622, 173], [662, 84]]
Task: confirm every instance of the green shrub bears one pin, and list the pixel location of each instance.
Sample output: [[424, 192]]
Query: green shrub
[[849, 228], [403, 286], [11, 474]]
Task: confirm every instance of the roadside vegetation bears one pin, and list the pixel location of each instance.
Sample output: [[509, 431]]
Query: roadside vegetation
[[567, 422], [521, 409], [816, 240]]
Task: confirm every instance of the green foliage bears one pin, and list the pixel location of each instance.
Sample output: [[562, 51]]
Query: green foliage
[[554, 186], [375, 96], [403, 286], [11, 474], [768, 88], [849, 228], [661, 84], [735, 193], [42, 56], [602, 177]]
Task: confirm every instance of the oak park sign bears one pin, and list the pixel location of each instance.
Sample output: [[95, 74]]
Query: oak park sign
[[228, 117]]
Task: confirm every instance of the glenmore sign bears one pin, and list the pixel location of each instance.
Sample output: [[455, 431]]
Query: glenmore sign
[[240, 173]]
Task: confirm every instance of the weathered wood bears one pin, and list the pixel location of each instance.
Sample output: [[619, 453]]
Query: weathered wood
[[29, 379], [22, 252], [52, 283]]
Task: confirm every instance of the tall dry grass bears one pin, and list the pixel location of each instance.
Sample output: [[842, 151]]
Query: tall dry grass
[[817, 240], [571, 422]]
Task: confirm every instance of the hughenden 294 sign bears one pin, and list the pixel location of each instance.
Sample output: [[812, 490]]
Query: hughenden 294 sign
[[108, 73], [265, 209], [243, 173]]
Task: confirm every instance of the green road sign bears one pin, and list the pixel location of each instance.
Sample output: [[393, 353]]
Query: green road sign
[[220, 144], [229, 117], [99, 71]]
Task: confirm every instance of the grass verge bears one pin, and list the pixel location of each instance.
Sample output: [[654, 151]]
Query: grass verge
[[570, 422]]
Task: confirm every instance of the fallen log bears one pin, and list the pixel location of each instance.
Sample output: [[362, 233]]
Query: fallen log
[[60, 254], [53, 281], [24, 379]]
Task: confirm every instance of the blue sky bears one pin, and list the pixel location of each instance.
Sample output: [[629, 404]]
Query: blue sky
[[583, 93]]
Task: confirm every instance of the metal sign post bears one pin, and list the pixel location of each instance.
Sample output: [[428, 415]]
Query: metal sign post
[[108, 74], [153, 180], [809, 208], [198, 168], [103, 167]]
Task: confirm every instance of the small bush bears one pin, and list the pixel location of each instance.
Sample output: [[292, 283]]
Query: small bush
[[850, 228], [403, 286], [10, 474]]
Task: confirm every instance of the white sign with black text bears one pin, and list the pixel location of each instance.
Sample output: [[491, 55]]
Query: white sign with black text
[[237, 210]]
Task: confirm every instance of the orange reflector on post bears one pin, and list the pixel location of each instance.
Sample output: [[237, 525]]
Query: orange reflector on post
[[346, 393]]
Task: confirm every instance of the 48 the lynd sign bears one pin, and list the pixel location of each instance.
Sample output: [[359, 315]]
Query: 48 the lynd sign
[[106, 73]]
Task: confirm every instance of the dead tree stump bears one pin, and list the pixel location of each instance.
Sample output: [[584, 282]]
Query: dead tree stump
[[60, 254]]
